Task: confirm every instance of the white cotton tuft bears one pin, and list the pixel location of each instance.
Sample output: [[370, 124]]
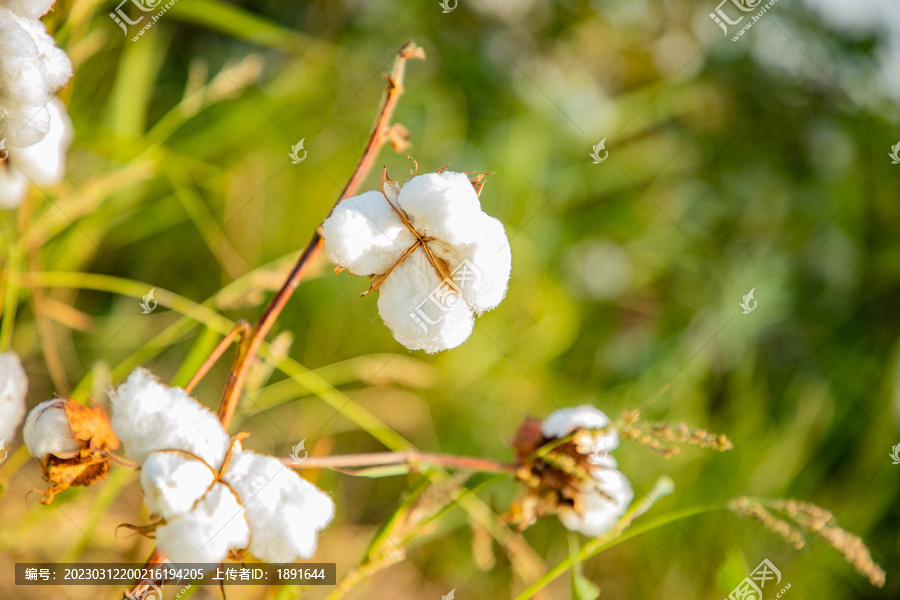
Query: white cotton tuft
[[172, 483], [149, 416], [205, 535], [364, 234], [484, 277], [47, 431], [425, 310], [32, 69], [442, 205], [285, 512], [421, 311], [13, 388], [599, 512]]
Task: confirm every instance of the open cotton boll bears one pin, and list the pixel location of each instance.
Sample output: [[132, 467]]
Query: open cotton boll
[[172, 483], [284, 510], [422, 311], [437, 257], [365, 235], [442, 205], [205, 534], [599, 512], [47, 431], [13, 387], [149, 416]]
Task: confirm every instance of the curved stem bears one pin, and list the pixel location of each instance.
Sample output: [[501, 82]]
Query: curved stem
[[380, 134]]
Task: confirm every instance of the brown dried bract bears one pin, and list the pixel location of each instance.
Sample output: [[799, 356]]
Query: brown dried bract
[[90, 426]]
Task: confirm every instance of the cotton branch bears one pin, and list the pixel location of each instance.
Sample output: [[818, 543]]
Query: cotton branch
[[382, 133]]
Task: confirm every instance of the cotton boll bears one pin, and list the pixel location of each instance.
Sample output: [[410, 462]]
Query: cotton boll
[[365, 235], [599, 513], [47, 431], [284, 510], [422, 311], [442, 205], [214, 526], [13, 387], [172, 483], [149, 416]]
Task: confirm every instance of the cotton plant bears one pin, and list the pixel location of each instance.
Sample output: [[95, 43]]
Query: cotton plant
[[213, 496], [35, 130], [435, 257]]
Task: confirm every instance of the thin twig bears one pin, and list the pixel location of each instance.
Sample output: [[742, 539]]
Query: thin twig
[[407, 457], [381, 133], [242, 328]]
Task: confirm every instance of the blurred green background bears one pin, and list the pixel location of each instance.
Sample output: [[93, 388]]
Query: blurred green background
[[757, 164]]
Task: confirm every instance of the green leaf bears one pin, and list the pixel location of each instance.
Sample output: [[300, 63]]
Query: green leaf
[[582, 587], [237, 22]]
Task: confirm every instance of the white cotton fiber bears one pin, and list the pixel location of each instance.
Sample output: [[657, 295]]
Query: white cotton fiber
[[365, 235], [560, 423], [34, 9], [32, 69], [172, 483], [206, 533], [149, 416], [422, 311], [442, 205], [285, 512], [600, 512], [13, 387]]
